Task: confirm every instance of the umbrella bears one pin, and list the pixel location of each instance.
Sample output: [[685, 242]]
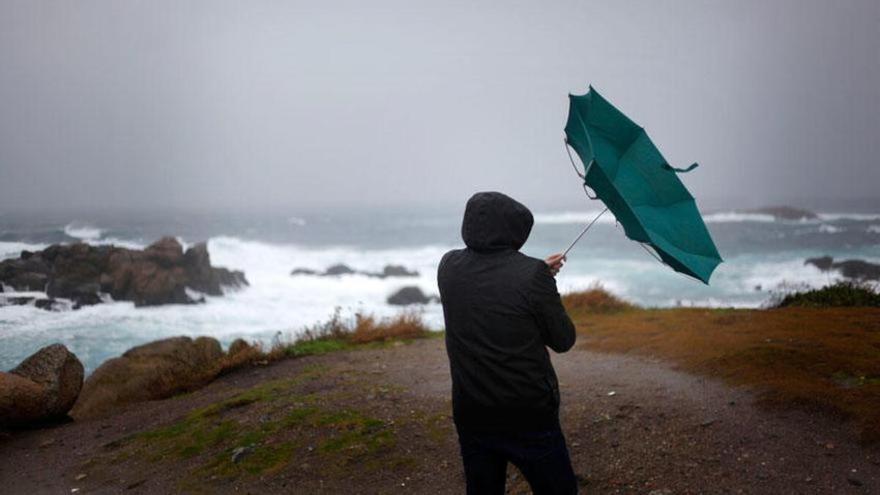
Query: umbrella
[[627, 173]]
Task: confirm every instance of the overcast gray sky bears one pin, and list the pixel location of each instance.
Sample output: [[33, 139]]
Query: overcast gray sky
[[205, 104]]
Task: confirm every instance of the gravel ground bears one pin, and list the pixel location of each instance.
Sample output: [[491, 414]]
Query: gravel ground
[[632, 425]]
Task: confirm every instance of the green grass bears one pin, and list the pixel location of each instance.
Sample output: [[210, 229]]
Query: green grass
[[322, 346], [287, 420]]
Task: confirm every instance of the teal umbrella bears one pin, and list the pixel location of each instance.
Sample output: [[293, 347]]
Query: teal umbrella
[[627, 173]]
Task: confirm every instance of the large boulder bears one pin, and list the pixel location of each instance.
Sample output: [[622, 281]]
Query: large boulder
[[21, 400], [42, 388], [151, 371], [340, 269], [59, 371]]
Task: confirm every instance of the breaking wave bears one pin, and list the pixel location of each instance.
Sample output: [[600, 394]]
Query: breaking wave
[[14, 249], [583, 217], [829, 229], [733, 216], [568, 217], [83, 232], [856, 217]]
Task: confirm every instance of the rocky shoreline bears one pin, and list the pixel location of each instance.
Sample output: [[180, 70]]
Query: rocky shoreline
[[162, 273]]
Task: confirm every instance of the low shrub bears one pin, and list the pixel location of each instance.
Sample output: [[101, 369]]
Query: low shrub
[[836, 295], [406, 325], [339, 333], [595, 299]]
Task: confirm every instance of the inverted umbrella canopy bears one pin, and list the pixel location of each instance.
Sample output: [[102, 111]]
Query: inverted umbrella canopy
[[628, 173]]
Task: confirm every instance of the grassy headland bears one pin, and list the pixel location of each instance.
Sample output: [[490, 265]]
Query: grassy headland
[[820, 355]]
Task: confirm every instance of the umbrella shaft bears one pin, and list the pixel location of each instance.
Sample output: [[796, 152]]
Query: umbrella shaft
[[576, 239]]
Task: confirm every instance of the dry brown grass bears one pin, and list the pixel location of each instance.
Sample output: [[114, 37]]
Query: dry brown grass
[[246, 356], [825, 359], [406, 325], [595, 300], [339, 333], [336, 333]]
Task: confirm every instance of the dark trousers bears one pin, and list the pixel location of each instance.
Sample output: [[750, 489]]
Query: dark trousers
[[541, 456]]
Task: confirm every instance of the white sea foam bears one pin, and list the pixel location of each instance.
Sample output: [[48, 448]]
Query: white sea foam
[[776, 275], [583, 217], [710, 302], [829, 229], [578, 217], [296, 221], [858, 217], [14, 249], [873, 229], [733, 216], [83, 232]]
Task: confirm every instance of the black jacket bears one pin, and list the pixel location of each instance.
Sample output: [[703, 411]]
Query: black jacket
[[501, 309]]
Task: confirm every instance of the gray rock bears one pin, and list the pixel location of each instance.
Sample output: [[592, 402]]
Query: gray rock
[[398, 271], [304, 271], [852, 269], [409, 295], [201, 276], [823, 262], [48, 304], [785, 213], [16, 301], [339, 269]]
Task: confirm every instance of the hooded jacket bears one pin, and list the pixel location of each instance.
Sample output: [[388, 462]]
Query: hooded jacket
[[502, 311]]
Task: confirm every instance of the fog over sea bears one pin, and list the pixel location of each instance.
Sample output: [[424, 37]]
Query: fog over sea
[[761, 255]]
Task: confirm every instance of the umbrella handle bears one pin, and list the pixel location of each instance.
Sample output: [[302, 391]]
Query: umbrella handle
[[576, 239]]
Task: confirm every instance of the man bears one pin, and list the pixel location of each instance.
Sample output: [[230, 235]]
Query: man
[[502, 310]]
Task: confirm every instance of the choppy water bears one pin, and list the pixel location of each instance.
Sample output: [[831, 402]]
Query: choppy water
[[760, 255]]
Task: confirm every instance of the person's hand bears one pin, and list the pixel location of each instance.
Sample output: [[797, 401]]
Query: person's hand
[[555, 262]]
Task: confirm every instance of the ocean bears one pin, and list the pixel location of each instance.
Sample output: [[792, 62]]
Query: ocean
[[762, 256]]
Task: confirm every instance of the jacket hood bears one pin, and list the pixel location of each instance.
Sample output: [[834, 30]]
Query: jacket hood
[[494, 221]]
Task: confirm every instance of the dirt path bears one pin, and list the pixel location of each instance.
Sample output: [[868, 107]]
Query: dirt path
[[377, 421]]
